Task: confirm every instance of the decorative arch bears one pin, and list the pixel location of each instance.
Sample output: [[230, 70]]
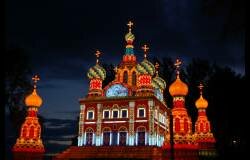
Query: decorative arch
[[89, 136], [123, 129], [141, 135]]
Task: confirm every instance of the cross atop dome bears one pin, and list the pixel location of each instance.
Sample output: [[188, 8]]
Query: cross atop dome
[[201, 87], [145, 49], [130, 24], [97, 53], [35, 80], [177, 64]]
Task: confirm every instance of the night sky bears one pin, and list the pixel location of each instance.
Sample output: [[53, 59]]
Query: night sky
[[61, 37]]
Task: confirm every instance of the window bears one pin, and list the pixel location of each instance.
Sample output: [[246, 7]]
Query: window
[[106, 114], [90, 115], [125, 77], [115, 114], [124, 113], [141, 112]]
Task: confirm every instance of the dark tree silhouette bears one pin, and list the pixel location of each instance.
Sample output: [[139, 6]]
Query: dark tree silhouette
[[17, 85], [110, 74]]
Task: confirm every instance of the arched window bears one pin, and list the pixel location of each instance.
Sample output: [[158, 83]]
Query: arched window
[[141, 131], [122, 136], [134, 78], [89, 136], [177, 124], [125, 77], [106, 136]]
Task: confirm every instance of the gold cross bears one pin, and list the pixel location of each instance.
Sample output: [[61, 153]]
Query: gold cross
[[145, 49], [35, 79], [130, 24], [200, 87], [97, 53], [177, 65]]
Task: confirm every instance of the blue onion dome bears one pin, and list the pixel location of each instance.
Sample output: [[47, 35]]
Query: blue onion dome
[[145, 67], [97, 72], [158, 82]]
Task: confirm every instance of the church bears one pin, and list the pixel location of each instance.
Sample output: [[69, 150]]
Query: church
[[129, 118]]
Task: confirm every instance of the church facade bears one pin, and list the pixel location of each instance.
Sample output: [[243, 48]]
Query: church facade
[[129, 117]]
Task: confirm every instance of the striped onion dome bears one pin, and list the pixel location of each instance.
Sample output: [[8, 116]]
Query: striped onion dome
[[97, 72], [145, 67], [129, 37], [158, 82]]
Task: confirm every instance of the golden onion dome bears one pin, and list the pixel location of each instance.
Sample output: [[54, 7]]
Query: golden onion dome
[[201, 103], [33, 100], [178, 88]]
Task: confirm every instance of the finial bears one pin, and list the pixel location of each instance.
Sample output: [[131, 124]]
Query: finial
[[177, 65], [35, 79], [157, 67], [130, 24], [145, 49], [98, 53], [200, 87]]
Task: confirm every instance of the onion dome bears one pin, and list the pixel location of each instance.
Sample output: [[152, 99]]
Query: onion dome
[[178, 88], [145, 67], [129, 37], [158, 82], [97, 72], [201, 103], [33, 100]]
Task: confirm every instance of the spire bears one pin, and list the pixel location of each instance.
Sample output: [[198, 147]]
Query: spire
[[201, 103], [34, 100], [145, 49], [178, 88], [129, 37]]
